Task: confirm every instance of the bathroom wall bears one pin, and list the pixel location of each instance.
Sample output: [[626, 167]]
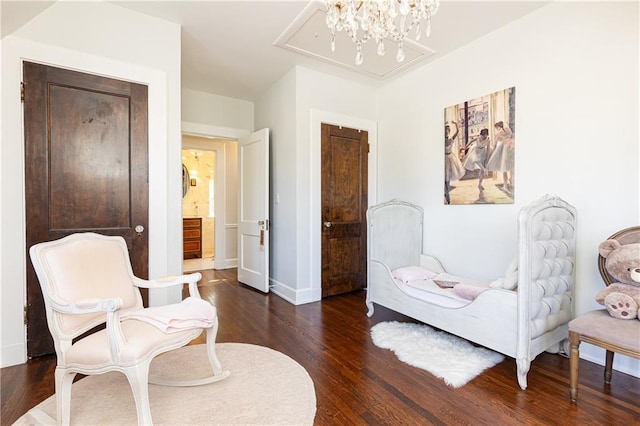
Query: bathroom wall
[[199, 199]]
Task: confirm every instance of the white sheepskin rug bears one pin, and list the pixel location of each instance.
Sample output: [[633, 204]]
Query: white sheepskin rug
[[448, 357]]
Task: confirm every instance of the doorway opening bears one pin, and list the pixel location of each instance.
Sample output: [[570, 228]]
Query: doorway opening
[[198, 209], [209, 167]]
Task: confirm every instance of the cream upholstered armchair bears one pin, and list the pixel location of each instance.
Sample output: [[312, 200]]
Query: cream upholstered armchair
[[86, 281]]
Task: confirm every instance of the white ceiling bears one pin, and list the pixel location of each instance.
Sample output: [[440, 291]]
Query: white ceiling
[[228, 47]]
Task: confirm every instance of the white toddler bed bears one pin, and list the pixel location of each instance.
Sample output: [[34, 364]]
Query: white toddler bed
[[520, 315]]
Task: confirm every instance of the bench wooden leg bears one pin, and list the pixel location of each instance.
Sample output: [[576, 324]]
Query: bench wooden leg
[[574, 358], [608, 366]]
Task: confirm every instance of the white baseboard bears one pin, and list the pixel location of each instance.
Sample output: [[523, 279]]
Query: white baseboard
[[226, 264], [291, 295], [13, 355], [621, 363]]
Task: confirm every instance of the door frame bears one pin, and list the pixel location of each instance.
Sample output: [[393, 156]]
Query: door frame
[[47, 194], [317, 118], [13, 264], [221, 224]]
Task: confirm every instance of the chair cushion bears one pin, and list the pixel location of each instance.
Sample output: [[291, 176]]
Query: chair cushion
[[143, 340], [600, 325]]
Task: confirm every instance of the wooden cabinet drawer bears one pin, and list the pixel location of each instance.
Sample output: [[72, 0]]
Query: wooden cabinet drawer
[[191, 246], [192, 237], [192, 223], [188, 233]]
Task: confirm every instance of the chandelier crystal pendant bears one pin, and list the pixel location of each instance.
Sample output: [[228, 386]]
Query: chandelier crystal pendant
[[364, 20]]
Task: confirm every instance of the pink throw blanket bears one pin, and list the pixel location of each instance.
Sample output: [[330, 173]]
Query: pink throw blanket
[[192, 312]]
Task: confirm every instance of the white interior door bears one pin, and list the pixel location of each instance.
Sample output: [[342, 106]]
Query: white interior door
[[253, 210]]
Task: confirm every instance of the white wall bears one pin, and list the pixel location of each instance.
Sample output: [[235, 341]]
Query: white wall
[[292, 109], [213, 110], [276, 109], [103, 39], [576, 78], [577, 134]]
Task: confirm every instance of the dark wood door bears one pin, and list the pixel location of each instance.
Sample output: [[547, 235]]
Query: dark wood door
[[344, 206], [85, 169]]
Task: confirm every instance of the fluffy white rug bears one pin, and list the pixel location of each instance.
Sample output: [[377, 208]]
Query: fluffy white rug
[[448, 357], [265, 387]]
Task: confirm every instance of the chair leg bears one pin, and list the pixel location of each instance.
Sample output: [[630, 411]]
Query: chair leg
[[608, 366], [211, 335], [574, 358], [63, 381], [138, 377]]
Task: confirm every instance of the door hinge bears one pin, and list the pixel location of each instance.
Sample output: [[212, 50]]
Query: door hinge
[[24, 315], [368, 148], [22, 91]]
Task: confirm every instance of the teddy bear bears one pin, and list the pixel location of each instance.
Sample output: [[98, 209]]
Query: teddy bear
[[622, 261]]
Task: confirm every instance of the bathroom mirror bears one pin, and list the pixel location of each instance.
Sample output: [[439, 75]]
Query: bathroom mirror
[[185, 180]]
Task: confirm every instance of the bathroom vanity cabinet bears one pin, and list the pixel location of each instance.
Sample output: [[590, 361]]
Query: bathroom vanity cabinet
[[192, 237]]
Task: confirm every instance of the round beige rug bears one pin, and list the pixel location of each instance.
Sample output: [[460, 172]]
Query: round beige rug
[[265, 387]]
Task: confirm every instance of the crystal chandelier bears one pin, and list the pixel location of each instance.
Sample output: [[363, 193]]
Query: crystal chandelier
[[376, 19]]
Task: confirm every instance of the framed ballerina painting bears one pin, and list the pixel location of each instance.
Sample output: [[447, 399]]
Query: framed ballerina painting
[[479, 150]]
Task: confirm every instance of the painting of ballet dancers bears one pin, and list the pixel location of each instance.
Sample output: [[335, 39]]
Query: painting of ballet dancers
[[479, 150]]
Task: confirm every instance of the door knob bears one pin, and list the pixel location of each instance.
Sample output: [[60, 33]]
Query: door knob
[[327, 224], [139, 229]]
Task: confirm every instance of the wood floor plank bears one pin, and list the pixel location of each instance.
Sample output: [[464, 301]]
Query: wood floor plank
[[358, 383]]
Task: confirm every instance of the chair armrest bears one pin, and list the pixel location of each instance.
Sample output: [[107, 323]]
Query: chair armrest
[[168, 281], [86, 306], [172, 280], [114, 330]]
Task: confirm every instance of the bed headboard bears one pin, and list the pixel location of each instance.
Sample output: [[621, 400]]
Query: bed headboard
[[546, 265], [403, 244]]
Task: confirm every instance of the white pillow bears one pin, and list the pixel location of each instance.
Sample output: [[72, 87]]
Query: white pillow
[[413, 273], [510, 280]]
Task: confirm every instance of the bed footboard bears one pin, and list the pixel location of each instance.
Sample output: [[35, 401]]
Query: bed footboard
[[546, 269]]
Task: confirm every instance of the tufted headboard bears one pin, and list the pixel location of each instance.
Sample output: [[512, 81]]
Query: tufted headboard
[[546, 265]]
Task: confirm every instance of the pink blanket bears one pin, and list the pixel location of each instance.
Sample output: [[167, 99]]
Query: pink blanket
[[192, 312]]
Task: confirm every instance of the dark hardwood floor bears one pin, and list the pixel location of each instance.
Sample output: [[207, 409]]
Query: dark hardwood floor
[[357, 383]]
